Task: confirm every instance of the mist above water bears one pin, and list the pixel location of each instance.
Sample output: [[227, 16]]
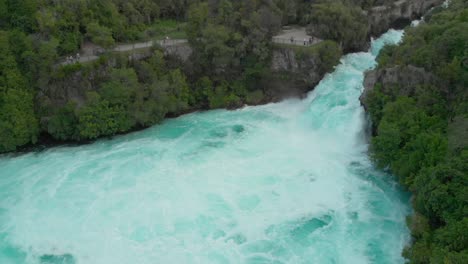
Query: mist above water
[[282, 183]]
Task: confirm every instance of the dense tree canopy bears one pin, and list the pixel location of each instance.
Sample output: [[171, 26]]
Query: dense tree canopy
[[229, 66], [18, 123], [422, 136], [343, 23]]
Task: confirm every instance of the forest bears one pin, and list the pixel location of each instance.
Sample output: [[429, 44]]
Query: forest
[[421, 133], [229, 66]]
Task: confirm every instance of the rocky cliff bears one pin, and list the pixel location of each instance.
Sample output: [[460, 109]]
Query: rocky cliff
[[297, 70], [294, 70], [292, 76], [181, 51], [71, 83], [407, 78], [398, 14]]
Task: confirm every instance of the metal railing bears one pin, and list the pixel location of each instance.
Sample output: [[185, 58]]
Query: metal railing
[[171, 42], [78, 58], [120, 48], [297, 42]]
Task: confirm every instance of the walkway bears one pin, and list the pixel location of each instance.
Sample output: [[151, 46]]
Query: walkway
[[295, 36], [91, 52]]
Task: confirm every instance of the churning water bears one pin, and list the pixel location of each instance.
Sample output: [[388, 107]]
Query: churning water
[[282, 183]]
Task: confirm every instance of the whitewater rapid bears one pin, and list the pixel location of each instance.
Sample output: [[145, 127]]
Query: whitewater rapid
[[289, 182]]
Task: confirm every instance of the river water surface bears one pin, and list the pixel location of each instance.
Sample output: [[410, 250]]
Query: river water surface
[[282, 183]]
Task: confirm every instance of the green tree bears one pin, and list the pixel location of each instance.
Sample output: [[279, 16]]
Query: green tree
[[413, 133], [197, 20], [100, 35], [18, 123], [150, 105], [99, 118], [63, 124], [178, 91], [20, 14], [342, 23]]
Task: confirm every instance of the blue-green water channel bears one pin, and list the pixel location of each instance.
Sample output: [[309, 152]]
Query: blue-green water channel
[[289, 182]]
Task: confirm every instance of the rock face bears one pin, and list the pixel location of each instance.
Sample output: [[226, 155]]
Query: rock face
[[293, 73], [75, 86], [182, 51], [63, 87], [398, 14], [407, 78]]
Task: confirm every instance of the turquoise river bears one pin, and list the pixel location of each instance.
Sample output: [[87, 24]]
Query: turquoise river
[[289, 182]]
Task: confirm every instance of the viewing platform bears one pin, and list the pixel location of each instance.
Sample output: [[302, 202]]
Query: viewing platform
[[295, 36]]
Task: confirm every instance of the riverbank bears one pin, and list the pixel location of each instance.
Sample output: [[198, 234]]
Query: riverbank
[[417, 101], [277, 183], [292, 79], [79, 102]]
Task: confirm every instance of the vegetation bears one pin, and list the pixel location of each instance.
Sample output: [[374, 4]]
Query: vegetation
[[229, 66], [130, 95], [18, 123], [35, 33], [231, 56], [422, 136], [167, 28], [343, 23], [327, 53]]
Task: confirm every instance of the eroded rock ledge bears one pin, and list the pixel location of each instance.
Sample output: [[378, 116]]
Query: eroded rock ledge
[[398, 15], [293, 75], [407, 78]]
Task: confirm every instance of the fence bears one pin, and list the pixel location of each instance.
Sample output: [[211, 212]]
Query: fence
[[297, 42], [171, 42], [120, 48], [78, 58]]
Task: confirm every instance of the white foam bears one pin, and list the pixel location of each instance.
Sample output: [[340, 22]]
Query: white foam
[[281, 183]]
